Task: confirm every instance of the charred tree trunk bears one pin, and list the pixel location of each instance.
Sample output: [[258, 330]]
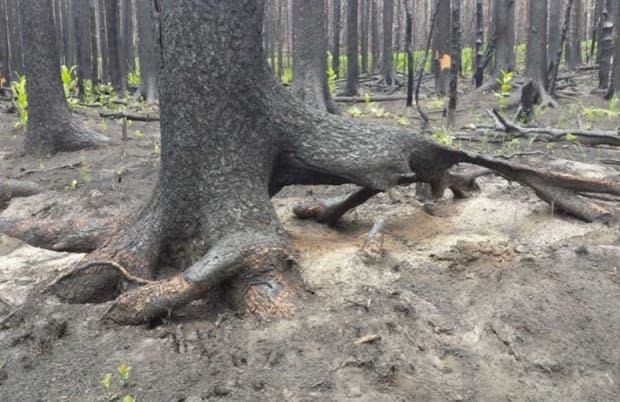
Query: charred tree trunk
[[4, 44], [554, 28], [573, 46], [94, 48], [615, 75], [387, 56], [82, 30], [115, 51], [479, 58], [50, 128], [365, 9], [240, 139], [336, 28], [127, 34], [103, 40], [504, 36], [149, 50], [309, 61], [16, 61], [353, 70], [536, 53], [606, 45], [374, 36], [555, 64], [441, 47], [454, 62], [409, 50]]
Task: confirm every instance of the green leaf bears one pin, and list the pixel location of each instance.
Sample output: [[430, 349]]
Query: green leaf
[[571, 137], [105, 381]]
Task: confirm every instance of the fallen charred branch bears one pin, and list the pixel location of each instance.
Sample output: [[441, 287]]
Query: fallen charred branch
[[585, 137], [372, 98], [130, 116]]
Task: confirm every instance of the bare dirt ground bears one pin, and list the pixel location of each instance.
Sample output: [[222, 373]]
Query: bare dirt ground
[[491, 298]]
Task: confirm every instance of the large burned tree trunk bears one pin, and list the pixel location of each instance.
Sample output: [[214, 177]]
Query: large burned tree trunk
[[309, 55], [149, 50], [231, 140], [50, 127]]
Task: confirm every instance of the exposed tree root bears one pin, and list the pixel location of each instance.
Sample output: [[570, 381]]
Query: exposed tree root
[[330, 211], [10, 189], [76, 235]]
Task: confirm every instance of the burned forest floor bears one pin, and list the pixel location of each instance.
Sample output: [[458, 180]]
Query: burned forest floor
[[489, 298]]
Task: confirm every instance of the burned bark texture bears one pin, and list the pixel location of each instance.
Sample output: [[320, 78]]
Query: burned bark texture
[[309, 55], [387, 56], [51, 128], [606, 48], [230, 141], [441, 47], [615, 75], [353, 69], [573, 46], [148, 49], [504, 36]]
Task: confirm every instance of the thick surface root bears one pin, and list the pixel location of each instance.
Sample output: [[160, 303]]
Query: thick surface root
[[76, 235], [10, 189]]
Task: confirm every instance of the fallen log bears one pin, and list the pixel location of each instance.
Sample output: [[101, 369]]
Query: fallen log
[[130, 116], [374, 98], [585, 137]]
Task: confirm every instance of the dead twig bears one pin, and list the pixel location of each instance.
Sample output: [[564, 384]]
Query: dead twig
[[111, 264]]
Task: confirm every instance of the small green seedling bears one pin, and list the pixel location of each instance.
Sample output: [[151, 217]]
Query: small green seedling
[[111, 390], [71, 186]]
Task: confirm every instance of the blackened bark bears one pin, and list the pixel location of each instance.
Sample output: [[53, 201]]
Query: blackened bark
[[4, 44], [536, 54], [441, 47], [149, 49], [68, 33], [454, 62], [16, 61], [353, 70], [557, 57], [118, 74], [336, 28], [365, 10], [127, 34], [479, 51], [387, 56], [81, 15], [615, 75], [103, 40], [51, 128], [606, 46], [309, 61], [94, 47], [504, 36], [374, 36], [553, 28], [573, 46], [409, 51]]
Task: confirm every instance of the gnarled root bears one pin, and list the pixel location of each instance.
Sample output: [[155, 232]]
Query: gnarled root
[[261, 283], [75, 235]]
